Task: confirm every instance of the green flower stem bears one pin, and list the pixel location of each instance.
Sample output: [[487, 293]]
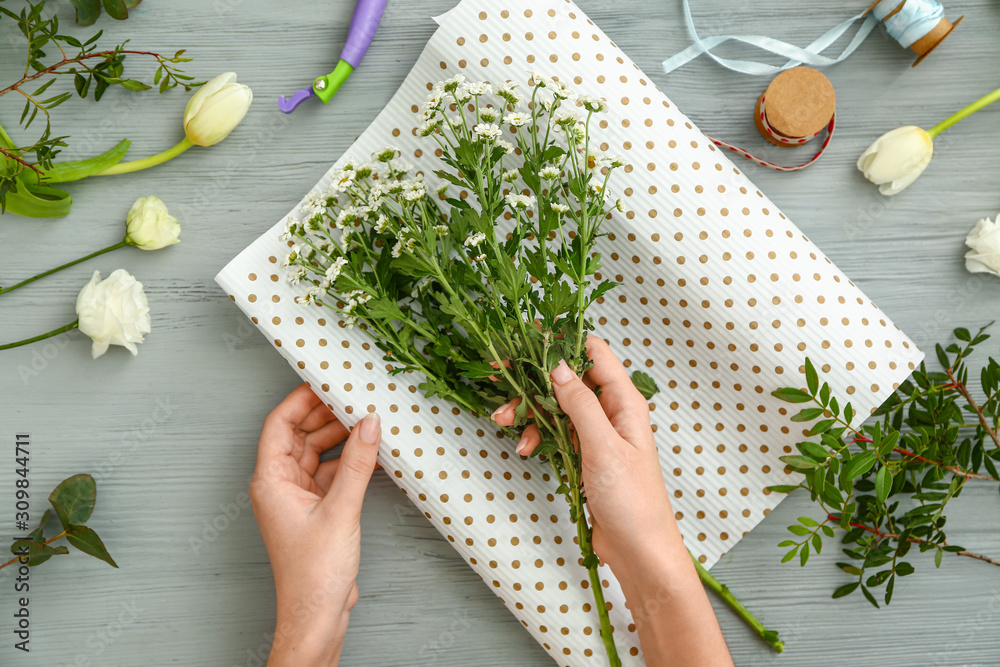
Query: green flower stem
[[55, 332], [770, 637], [146, 163], [4, 290], [964, 113], [584, 534]]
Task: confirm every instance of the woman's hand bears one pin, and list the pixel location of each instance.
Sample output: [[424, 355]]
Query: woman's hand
[[309, 516], [634, 527]]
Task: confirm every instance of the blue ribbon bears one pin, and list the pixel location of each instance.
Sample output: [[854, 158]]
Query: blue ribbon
[[913, 21]]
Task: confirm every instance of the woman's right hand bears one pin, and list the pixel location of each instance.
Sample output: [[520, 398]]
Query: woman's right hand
[[633, 523]]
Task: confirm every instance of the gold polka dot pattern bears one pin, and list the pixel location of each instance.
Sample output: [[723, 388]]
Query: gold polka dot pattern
[[721, 299]]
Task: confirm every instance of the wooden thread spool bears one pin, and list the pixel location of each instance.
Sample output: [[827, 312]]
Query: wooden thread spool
[[800, 103], [923, 46]]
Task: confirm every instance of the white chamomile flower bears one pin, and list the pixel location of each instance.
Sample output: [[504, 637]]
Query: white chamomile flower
[[294, 277], [517, 200], [487, 115], [540, 79], [592, 104], [381, 224], [400, 165], [479, 258], [441, 189], [475, 240], [550, 173], [559, 208], [429, 128], [386, 154], [508, 176], [487, 130], [456, 120], [619, 206], [565, 119], [350, 321], [462, 94], [509, 93], [518, 119], [506, 146], [440, 229], [451, 84], [333, 271], [617, 161], [478, 88], [397, 249], [414, 194]]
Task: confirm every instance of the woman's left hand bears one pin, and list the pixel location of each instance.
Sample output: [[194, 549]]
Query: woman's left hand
[[309, 516]]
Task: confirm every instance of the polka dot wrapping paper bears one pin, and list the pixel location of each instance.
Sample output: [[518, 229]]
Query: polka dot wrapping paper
[[721, 299]]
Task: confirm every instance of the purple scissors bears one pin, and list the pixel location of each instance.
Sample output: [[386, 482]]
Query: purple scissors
[[364, 23]]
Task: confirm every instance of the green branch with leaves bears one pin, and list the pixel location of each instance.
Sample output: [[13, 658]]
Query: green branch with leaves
[[28, 170], [73, 502], [886, 484]]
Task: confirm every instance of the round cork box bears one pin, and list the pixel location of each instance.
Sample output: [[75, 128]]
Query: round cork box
[[799, 103]]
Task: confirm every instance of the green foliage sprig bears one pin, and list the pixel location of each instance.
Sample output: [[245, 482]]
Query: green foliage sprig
[[93, 69], [886, 484], [87, 11], [73, 502]]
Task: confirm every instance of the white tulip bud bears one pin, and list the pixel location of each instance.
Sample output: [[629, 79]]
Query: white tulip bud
[[216, 109], [897, 158], [149, 226], [113, 312]]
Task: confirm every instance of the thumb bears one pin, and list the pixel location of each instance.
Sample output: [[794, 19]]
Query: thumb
[[582, 406], [357, 461]]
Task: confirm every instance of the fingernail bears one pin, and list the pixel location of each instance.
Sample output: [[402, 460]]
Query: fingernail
[[562, 373], [522, 445], [370, 427], [499, 411]]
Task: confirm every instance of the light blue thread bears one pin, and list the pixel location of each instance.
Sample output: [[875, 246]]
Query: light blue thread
[[916, 19]]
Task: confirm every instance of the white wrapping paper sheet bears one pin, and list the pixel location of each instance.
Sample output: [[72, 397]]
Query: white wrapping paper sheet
[[721, 299]]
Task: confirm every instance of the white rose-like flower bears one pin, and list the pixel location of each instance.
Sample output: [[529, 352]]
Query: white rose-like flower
[[216, 109], [149, 226], [113, 311], [984, 244], [897, 158]]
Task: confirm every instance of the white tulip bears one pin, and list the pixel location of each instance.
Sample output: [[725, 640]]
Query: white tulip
[[113, 312], [216, 109], [897, 158], [149, 226], [984, 241]]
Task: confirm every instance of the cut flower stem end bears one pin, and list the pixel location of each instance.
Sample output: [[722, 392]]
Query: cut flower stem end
[[964, 113], [770, 637]]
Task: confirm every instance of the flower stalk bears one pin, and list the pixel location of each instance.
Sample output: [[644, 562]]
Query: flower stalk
[[75, 324], [28, 281]]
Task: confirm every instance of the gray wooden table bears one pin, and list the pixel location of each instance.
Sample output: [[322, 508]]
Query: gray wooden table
[[171, 434]]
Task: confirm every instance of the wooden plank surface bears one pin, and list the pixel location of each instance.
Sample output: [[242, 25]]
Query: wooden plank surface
[[171, 434]]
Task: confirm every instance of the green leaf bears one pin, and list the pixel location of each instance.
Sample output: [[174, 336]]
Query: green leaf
[[883, 483], [87, 541], [804, 555], [645, 384], [869, 596], [38, 534], [116, 9], [798, 463], [937, 558], [796, 529], [808, 415], [74, 170], [963, 334], [132, 84], [846, 589], [74, 499], [813, 451], [822, 426], [791, 395], [860, 464], [36, 552], [789, 556], [783, 488], [87, 11], [941, 356], [812, 379]]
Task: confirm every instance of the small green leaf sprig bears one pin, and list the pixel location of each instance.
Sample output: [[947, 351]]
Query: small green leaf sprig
[[27, 170], [73, 502], [886, 484], [88, 11]]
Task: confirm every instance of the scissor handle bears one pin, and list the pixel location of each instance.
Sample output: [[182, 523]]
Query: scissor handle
[[364, 23]]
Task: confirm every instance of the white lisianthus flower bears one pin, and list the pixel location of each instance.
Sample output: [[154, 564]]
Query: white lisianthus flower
[[216, 109], [113, 311], [984, 244], [149, 226], [897, 158]]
